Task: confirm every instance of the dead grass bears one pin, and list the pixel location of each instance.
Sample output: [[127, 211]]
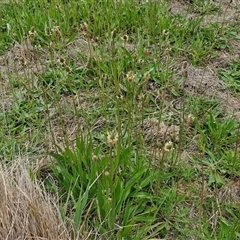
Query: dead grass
[[27, 211]]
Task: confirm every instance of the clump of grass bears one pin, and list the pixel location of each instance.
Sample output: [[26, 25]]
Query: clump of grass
[[112, 191], [231, 75], [27, 211]]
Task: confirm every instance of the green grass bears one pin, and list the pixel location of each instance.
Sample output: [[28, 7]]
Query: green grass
[[99, 87], [231, 75]]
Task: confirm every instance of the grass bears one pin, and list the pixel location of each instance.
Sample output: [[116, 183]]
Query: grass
[[25, 201], [125, 130], [231, 76]]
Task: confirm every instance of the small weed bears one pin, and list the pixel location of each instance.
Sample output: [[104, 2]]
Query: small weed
[[231, 75]]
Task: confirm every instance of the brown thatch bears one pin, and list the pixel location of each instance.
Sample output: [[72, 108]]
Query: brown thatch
[[26, 210]]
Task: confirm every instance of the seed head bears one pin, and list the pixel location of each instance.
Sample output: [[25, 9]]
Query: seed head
[[32, 33], [147, 52], [62, 61], [68, 69], [168, 146], [48, 32], [165, 32], [141, 61], [190, 118], [94, 157], [56, 30], [58, 8], [112, 138], [94, 39], [114, 33], [125, 38], [160, 95], [135, 55], [119, 96], [84, 26], [130, 76], [185, 70]]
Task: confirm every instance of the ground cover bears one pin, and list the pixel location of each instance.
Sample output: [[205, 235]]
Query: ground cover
[[120, 119]]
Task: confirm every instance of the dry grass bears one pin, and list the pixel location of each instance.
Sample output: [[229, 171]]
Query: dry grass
[[26, 210]]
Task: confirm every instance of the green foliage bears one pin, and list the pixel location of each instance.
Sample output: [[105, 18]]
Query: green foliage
[[231, 75], [5, 39], [221, 133], [120, 189]]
